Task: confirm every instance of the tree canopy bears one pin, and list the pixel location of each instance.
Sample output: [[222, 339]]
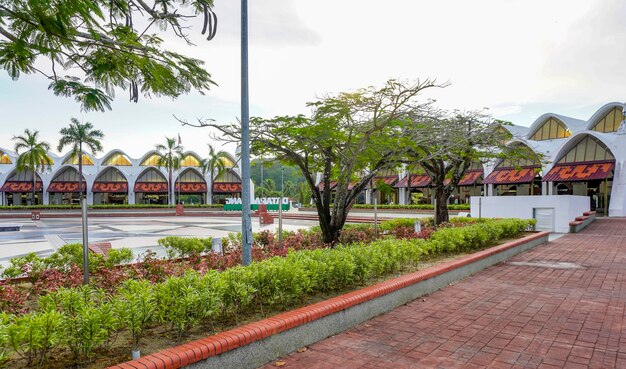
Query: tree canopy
[[348, 138], [89, 48]]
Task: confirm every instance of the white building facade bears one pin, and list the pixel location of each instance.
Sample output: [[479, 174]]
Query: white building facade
[[115, 178]]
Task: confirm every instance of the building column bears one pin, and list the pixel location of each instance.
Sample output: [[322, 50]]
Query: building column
[[368, 197], [544, 189], [131, 197], [490, 189], [46, 198], [402, 196]]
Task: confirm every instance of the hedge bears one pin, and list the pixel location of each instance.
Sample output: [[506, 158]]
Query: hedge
[[109, 206], [85, 320]]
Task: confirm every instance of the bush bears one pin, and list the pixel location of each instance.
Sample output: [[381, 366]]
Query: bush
[[185, 247], [33, 335]]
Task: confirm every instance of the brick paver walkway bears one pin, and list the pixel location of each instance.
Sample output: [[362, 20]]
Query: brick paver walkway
[[560, 305]]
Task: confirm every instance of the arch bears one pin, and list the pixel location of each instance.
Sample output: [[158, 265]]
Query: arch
[[190, 180], [228, 176], [151, 180], [110, 180], [519, 162], [601, 153], [607, 119], [65, 180], [4, 158], [191, 159], [569, 123], [551, 128], [149, 159], [71, 159], [229, 161], [21, 181], [116, 158]]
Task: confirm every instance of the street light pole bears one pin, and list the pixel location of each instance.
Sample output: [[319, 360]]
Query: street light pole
[[280, 209], [246, 225]]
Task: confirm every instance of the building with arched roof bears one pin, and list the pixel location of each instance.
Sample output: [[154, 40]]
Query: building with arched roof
[[116, 178]]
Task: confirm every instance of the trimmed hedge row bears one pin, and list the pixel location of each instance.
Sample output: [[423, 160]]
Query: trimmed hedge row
[[405, 207], [84, 320], [110, 206]]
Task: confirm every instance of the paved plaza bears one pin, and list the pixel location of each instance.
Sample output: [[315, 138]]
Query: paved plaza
[[139, 234], [560, 305]]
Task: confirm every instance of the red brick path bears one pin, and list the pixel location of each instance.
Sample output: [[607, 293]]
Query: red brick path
[[507, 316]]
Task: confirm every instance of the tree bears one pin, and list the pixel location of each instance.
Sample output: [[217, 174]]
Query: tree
[[345, 135], [169, 157], [79, 135], [214, 166], [32, 156], [453, 142], [103, 45]]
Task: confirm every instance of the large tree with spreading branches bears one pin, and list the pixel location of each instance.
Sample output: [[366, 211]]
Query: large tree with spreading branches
[[89, 48], [349, 138], [452, 142]]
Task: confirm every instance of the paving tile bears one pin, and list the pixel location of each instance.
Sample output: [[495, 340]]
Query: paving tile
[[506, 316]]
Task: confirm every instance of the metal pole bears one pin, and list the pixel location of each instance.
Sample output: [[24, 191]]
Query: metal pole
[[261, 189], [246, 226], [280, 210], [83, 202]]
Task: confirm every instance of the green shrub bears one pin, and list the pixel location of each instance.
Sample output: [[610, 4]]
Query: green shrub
[[185, 247], [135, 307], [180, 303], [33, 335], [118, 256]]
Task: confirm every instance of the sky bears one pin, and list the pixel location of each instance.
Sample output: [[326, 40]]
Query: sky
[[517, 58]]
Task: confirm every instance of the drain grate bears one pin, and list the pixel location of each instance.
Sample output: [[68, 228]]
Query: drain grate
[[548, 264]]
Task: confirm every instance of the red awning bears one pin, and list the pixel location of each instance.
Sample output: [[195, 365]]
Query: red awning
[[417, 181], [151, 187], [389, 180], [110, 187], [226, 187], [577, 172], [64, 187], [192, 187], [20, 186], [332, 185], [470, 177], [511, 175]]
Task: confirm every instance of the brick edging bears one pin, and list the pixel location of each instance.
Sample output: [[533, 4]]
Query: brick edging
[[192, 352]]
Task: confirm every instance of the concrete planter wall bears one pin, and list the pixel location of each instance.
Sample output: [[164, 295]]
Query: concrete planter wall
[[254, 344]]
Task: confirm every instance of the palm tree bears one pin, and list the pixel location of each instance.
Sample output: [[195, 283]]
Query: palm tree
[[169, 157], [214, 166], [78, 135], [34, 156]]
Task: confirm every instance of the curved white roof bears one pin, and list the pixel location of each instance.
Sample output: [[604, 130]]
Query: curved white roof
[[573, 124], [599, 114]]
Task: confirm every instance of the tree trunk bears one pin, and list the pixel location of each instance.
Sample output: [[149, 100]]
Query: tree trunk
[[80, 173], [170, 187], [441, 211], [34, 187]]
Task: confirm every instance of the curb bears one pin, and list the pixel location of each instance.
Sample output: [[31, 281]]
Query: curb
[[257, 343]]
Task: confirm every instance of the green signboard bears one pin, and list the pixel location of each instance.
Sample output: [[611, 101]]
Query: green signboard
[[270, 207]]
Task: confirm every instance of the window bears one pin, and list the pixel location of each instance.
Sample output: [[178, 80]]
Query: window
[[525, 157], [190, 176], [228, 176], [111, 175], [151, 161], [228, 163], [610, 122], [67, 175], [73, 159], [24, 176], [117, 159], [587, 149], [190, 161], [551, 129], [4, 158], [151, 175]]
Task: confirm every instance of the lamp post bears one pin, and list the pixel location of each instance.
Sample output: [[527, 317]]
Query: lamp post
[[280, 209], [246, 226]]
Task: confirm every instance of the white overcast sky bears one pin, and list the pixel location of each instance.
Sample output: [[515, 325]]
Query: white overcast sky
[[519, 58]]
